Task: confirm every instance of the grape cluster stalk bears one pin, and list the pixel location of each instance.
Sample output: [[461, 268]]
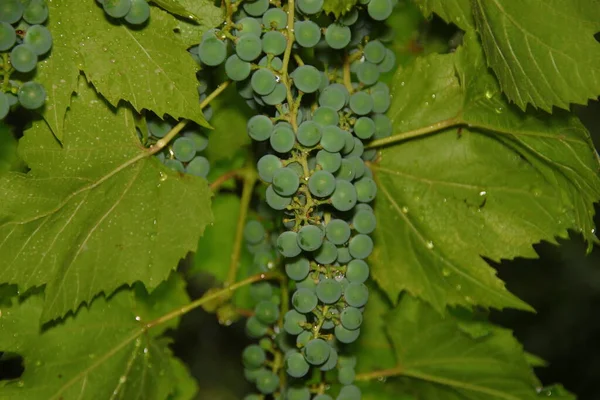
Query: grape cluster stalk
[[24, 41], [314, 81]]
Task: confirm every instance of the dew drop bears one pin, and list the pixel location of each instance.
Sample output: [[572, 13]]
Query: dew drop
[[430, 245], [458, 287], [499, 110], [489, 94], [405, 210], [123, 379], [445, 272]]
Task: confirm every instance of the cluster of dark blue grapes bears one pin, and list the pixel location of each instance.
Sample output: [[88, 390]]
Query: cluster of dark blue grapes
[[135, 12], [319, 99], [182, 154], [25, 40]]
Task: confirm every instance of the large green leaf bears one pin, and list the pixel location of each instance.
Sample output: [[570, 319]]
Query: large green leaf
[[500, 183], [150, 67], [100, 353], [97, 212], [209, 16], [543, 51], [458, 12]]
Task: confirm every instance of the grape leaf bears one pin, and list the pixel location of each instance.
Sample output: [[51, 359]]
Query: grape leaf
[[443, 362], [150, 68], [338, 7], [543, 52], [492, 187], [176, 8], [9, 160], [185, 387], [210, 16], [458, 12], [101, 352], [97, 212]]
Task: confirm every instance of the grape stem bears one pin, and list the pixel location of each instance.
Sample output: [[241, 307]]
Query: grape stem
[[235, 173], [250, 178], [426, 130], [367, 376], [347, 78], [286, 61]]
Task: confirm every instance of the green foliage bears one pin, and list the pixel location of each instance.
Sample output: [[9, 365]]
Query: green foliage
[[105, 217], [338, 7], [458, 12], [208, 16], [100, 352]]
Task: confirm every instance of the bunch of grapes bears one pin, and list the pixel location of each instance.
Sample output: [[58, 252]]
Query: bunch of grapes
[[135, 12], [184, 153], [315, 83], [24, 40]]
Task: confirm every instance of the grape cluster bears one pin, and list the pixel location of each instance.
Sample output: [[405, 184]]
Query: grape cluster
[[183, 154], [24, 40], [319, 99], [135, 12]]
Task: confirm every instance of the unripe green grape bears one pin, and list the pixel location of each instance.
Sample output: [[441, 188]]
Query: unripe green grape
[[248, 26], [300, 393], [344, 256], [344, 196], [253, 356], [350, 17], [292, 322], [337, 36], [285, 181], [364, 221], [307, 33], [282, 139], [236, 68], [383, 126], [261, 291], [381, 101], [357, 271], [388, 63], [31, 95], [200, 141], [327, 254], [309, 7], [317, 351], [360, 246], [274, 42], [380, 10], [298, 269], [346, 171], [267, 165], [349, 143], [356, 294], [254, 232], [250, 375], [256, 8], [364, 128], [184, 149], [158, 127], [248, 47], [346, 335], [368, 73], [329, 291], [11, 11], [351, 318], [276, 63], [326, 116], [338, 231], [287, 244], [4, 105], [8, 36], [275, 18], [267, 312], [267, 382], [199, 166], [260, 127], [335, 96], [296, 365], [310, 237], [116, 8], [255, 328], [304, 300], [374, 51], [346, 375], [275, 201], [350, 392], [139, 12], [277, 96], [23, 58], [307, 78], [361, 103], [36, 12], [333, 138], [309, 133], [321, 184], [175, 165], [330, 162], [212, 51], [263, 81], [366, 189]]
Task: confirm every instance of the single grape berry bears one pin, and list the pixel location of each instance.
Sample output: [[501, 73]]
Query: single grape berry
[[292, 322], [139, 12], [329, 291], [274, 43], [337, 36], [285, 181], [199, 166], [267, 382], [310, 6], [307, 78], [321, 184], [31, 95], [267, 312], [296, 365], [212, 51], [304, 300], [263, 81], [36, 12], [316, 351], [275, 18], [310, 237], [260, 127], [116, 8], [356, 294], [253, 356], [184, 149], [351, 318], [287, 243], [248, 47], [256, 8], [308, 33], [8, 36], [298, 269], [11, 11], [380, 10], [23, 58]]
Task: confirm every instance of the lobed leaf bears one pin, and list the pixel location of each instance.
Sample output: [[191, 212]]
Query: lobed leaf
[[543, 51], [458, 12], [96, 213], [492, 187], [101, 352]]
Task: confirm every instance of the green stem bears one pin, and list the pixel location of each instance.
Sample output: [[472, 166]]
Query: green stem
[[400, 137], [368, 376], [248, 188]]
